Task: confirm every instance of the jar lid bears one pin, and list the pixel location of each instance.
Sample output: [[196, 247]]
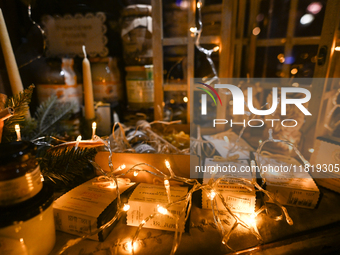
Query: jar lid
[[18, 151], [137, 10], [28, 209]]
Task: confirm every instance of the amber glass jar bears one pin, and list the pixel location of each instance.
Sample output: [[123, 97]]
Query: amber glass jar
[[20, 176]]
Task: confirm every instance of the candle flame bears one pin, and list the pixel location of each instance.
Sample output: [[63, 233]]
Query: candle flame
[[94, 125]]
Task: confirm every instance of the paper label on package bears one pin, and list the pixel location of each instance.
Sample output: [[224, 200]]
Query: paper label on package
[[238, 195], [144, 201], [88, 199], [65, 35]]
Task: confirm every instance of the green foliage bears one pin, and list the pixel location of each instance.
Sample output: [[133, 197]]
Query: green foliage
[[66, 166], [20, 105], [48, 115]]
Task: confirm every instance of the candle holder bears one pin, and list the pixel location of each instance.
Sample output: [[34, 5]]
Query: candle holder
[[86, 128]]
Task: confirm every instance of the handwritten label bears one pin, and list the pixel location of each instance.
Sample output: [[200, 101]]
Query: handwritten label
[[65, 35]]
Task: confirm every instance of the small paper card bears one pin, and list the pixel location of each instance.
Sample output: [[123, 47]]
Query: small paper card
[[223, 147], [238, 195], [85, 208], [145, 200], [326, 163], [289, 182]]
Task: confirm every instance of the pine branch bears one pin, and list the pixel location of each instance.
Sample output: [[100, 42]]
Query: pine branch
[[20, 105], [49, 114], [66, 166]]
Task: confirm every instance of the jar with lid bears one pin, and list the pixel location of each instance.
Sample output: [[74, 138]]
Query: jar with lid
[[140, 86], [107, 84], [137, 34], [20, 176]]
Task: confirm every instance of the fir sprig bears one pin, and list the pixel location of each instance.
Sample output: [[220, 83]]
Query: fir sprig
[[20, 105], [66, 166], [48, 114]]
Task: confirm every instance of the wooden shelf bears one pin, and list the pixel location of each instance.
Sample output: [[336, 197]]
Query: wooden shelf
[[175, 87], [211, 39]]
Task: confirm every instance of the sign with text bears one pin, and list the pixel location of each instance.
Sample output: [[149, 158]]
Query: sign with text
[[65, 35]]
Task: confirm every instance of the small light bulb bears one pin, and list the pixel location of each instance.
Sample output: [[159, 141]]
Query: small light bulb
[[126, 207], [311, 150], [162, 210], [143, 222], [185, 99], [135, 173], [212, 195], [337, 48], [199, 5], [216, 48], [79, 138], [167, 164], [193, 29]]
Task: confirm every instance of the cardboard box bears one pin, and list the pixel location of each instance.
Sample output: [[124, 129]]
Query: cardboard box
[[294, 187], [145, 200], [238, 198], [326, 156], [85, 208]]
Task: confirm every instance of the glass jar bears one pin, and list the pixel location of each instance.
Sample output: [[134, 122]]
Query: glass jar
[[107, 84], [20, 176], [140, 86]]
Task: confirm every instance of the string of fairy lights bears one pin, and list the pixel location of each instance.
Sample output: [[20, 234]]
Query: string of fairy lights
[[113, 180]]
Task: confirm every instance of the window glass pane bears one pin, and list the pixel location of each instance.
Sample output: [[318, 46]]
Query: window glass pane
[[310, 15], [273, 18], [303, 61], [269, 61]]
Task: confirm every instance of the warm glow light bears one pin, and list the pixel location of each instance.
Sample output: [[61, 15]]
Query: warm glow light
[[185, 99], [294, 71], [111, 186], [172, 101], [143, 222], [212, 195], [306, 19], [281, 58], [162, 210], [167, 164], [193, 29], [199, 5], [135, 173], [166, 183], [311, 150], [79, 138], [260, 141], [337, 48], [121, 167], [216, 48], [94, 126], [128, 246], [126, 207], [17, 130], [295, 84], [256, 30]]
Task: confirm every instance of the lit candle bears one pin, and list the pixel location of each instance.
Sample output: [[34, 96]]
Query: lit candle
[[11, 64], [88, 90], [17, 130], [94, 126]]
